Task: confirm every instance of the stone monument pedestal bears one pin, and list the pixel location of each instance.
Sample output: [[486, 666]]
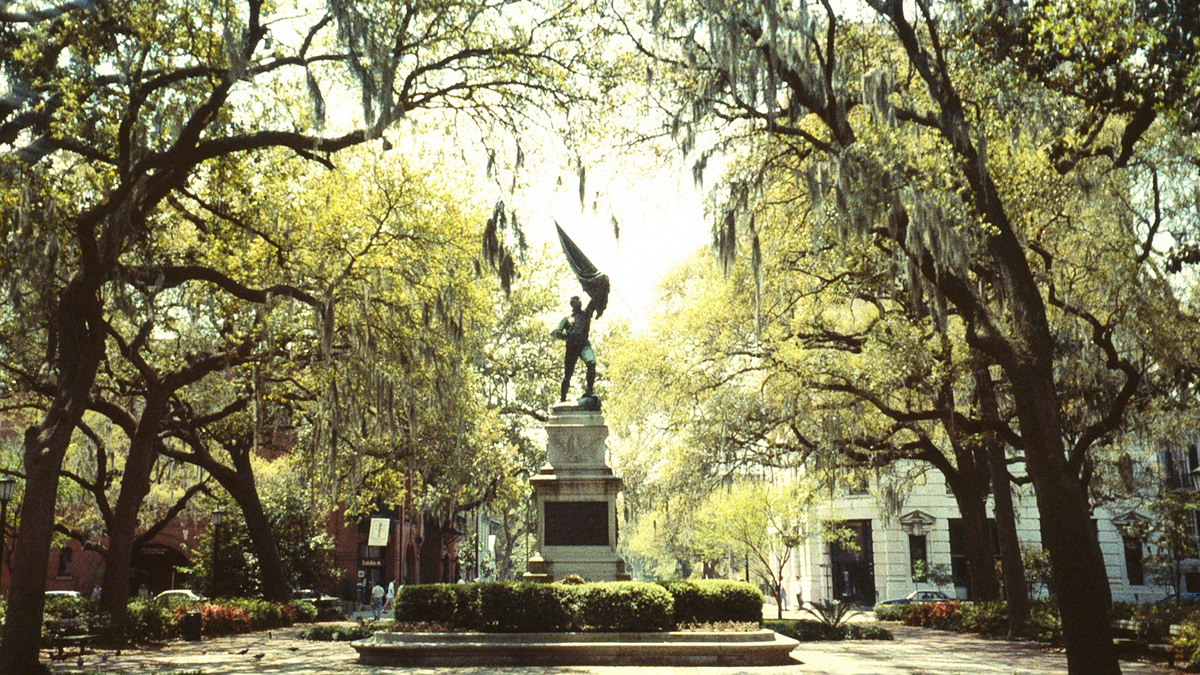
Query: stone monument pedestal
[[575, 495]]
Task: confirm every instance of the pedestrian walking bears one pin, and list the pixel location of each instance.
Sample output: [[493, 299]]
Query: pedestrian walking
[[377, 595]]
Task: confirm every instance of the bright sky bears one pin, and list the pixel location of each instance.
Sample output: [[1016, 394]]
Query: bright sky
[[661, 224]]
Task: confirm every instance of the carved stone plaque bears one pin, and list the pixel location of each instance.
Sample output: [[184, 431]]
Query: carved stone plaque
[[576, 523]]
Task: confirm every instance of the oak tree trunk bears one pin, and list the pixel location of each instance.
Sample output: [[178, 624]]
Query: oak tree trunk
[[1016, 592], [81, 345], [135, 485]]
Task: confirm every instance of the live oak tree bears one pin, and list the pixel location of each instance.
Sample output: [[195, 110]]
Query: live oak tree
[[903, 112], [519, 367], [115, 109], [761, 520], [745, 384]]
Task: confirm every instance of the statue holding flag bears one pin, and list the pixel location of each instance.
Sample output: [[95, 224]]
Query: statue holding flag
[[574, 329]]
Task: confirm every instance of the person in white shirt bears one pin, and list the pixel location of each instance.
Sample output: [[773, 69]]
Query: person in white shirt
[[377, 595]]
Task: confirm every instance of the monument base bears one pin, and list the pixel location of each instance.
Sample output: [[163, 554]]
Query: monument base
[[575, 495]]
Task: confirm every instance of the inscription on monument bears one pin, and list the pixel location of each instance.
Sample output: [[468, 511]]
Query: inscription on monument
[[576, 523]]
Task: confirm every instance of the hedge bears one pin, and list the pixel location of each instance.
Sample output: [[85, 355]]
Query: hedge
[[625, 606], [714, 601], [521, 607], [450, 604], [608, 606]]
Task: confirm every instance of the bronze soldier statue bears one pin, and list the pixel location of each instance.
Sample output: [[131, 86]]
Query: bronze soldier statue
[[574, 331]]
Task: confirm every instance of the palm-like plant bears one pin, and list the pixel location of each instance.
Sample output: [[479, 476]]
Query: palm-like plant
[[832, 613]]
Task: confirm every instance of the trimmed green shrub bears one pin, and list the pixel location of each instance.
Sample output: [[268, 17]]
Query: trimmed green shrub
[[527, 607], [889, 612], [625, 606], [521, 607], [714, 600], [432, 603], [337, 633]]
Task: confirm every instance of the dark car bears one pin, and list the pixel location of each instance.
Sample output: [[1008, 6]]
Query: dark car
[[328, 607], [919, 596]]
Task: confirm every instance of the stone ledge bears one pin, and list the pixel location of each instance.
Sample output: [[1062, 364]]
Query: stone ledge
[[745, 648]]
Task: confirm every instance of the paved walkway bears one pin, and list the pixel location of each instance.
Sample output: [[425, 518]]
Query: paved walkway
[[915, 651]]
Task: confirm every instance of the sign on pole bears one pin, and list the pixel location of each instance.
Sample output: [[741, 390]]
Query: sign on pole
[[379, 532]]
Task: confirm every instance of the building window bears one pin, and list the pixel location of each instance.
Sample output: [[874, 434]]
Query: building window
[[1133, 561], [918, 555], [858, 484], [64, 562]]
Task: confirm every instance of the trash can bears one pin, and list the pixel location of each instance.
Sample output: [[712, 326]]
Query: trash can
[[191, 626]]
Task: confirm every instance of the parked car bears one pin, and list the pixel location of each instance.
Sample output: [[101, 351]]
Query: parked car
[[63, 594], [919, 596], [328, 607], [181, 595]]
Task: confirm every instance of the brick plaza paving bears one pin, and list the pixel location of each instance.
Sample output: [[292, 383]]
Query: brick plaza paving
[[913, 652]]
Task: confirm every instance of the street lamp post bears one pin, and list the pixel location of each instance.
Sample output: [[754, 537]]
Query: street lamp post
[[7, 483], [218, 517]]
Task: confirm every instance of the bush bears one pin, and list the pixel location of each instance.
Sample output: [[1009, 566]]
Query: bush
[[866, 631], [436, 603], [809, 630], [572, 579], [889, 612], [715, 600], [526, 607], [804, 630], [1187, 643], [263, 614], [625, 606], [59, 608], [942, 615], [336, 633], [522, 607], [303, 611], [1156, 619], [985, 618], [1044, 622], [149, 621], [220, 619]]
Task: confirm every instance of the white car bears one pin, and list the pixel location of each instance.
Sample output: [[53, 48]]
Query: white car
[[178, 595]]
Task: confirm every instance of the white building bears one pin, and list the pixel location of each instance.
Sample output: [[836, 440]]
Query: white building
[[928, 529]]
